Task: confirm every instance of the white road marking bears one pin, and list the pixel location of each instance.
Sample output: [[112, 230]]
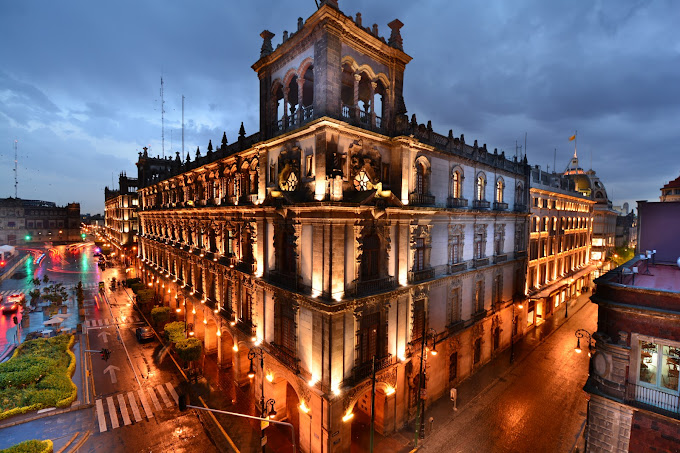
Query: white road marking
[[111, 369], [133, 406], [100, 416], [106, 321], [99, 322], [112, 413], [123, 409], [105, 336], [164, 397], [172, 391], [156, 404], [145, 404]]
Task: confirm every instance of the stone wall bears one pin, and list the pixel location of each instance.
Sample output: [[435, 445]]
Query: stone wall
[[609, 425]]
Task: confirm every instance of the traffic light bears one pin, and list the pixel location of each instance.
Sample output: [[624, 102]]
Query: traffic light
[[182, 402], [2, 263], [15, 320], [105, 353], [27, 237]]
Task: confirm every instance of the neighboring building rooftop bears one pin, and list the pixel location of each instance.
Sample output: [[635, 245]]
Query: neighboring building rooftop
[[659, 276]]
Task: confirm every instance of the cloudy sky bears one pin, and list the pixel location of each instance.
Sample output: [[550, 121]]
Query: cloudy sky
[[80, 81]]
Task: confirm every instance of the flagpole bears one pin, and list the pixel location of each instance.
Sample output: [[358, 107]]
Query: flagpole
[[575, 142]]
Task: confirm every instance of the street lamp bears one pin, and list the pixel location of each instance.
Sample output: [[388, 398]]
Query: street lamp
[[254, 353], [513, 332], [420, 413], [582, 333]]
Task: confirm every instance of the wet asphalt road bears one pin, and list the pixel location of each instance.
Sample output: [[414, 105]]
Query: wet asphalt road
[[538, 406]]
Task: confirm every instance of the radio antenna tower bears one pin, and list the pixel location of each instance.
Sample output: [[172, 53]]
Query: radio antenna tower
[[182, 126], [16, 181], [162, 120]]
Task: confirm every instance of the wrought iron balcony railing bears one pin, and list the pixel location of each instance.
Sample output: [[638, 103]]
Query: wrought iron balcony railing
[[479, 262], [421, 275], [498, 206], [286, 357], [420, 199], [653, 399], [480, 204], [456, 202], [364, 370], [458, 267], [378, 285]]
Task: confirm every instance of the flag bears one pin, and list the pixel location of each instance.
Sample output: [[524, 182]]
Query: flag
[[573, 137]]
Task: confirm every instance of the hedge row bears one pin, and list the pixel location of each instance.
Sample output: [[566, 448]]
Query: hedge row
[[31, 446], [38, 376]]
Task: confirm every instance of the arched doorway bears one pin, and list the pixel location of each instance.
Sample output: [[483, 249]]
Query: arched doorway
[[361, 419], [293, 411], [210, 340], [226, 349]]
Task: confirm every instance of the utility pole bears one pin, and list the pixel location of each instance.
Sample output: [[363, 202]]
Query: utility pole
[[16, 181]]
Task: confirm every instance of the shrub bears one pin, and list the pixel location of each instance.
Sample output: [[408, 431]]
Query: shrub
[[30, 446], [38, 376], [160, 314], [174, 331], [189, 349], [145, 296]]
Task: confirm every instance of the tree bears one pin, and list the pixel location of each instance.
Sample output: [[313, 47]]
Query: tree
[[145, 297], [45, 279], [174, 331], [55, 293], [34, 295], [36, 282], [80, 294]]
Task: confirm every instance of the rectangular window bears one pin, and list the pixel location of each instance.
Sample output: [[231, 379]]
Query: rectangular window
[[477, 351], [418, 319], [658, 366], [369, 337], [12, 224], [455, 305], [285, 334], [480, 245], [386, 174], [453, 367], [455, 249], [419, 259], [479, 296]]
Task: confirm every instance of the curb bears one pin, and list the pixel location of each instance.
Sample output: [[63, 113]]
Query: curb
[[47, 414]]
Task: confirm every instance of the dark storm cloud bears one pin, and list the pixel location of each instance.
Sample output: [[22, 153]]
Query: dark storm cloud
[[80, 84]]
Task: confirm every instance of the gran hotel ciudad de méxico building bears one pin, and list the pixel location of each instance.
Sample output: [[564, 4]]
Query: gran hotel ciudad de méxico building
[[342, 231]]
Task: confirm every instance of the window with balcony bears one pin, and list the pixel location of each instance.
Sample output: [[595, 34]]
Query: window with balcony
[[457, 184], [480, 192], [456, 248], [370, 257], [418, 320], [372, 339], [419, 257], [455, 305], [658, 365], [500, 187], [285, 327], [480, 245], [422, 178], [246, 308]]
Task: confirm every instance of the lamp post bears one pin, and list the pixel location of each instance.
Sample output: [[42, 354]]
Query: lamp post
[[582, 333], [513, 331], [254, 353], [420, 412]]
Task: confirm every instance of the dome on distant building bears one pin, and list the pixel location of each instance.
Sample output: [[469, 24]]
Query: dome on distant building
[[671, 191], [587, 182]]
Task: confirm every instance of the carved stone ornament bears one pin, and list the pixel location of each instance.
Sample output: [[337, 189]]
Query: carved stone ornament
[[454, 344], [289, 169], [497, 321], [364, 166], [477, 331]]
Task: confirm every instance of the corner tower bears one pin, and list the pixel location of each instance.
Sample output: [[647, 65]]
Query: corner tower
[[332, 66]]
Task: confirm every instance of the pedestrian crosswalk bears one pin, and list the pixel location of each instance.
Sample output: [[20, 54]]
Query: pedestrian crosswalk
[[103, 322], [26, 291], [112, 410]]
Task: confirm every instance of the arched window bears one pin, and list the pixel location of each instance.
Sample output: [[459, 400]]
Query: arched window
[[519, 194], [422, 182], [457, 184], [500, 187], [481, 186]]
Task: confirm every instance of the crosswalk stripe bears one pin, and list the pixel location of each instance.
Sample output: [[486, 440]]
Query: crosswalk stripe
[[112, 413], [133, 406], [156, 404], [100, 416], [164, 397], [172, 391], [145, 404], [123, 409], [87, 323], [99, 322]]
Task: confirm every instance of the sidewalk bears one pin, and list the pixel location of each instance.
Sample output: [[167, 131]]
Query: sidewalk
[[476, 384]]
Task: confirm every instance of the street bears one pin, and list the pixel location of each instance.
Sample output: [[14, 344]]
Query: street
[[538, 405], [132, 396]]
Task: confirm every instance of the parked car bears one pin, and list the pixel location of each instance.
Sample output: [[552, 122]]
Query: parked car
[[143, 333]]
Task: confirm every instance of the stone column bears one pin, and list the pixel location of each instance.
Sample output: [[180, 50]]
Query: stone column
[[301, 84], [355, 113], [374, 85]]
